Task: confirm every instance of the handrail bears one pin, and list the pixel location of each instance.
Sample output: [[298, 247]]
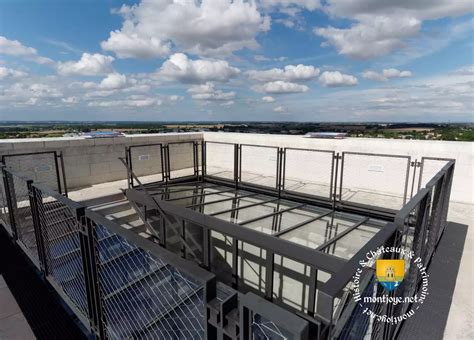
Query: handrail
[[17, 173], [61, 198]]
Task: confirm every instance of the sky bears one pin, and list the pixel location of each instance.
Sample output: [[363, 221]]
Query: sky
[[222, 60]]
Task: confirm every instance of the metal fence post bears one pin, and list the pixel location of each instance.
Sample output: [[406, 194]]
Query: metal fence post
[[94, 296], [236, 164], [203, 159], [35, 201], [9, 195], [63, 172]]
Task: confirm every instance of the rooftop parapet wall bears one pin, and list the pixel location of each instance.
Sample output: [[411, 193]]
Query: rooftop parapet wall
[[462, 152], [91, 161]]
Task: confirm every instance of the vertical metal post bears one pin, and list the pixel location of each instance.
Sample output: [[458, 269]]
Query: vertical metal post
[[269, 269], [414, 164], [235, 263], [206, 248], [405, 192], [236, 165], [336, 173], [35, 201], [9, 193], [128, 160], [88, 249], [313, 285], [204, 158], [58, 177], [63, 171]]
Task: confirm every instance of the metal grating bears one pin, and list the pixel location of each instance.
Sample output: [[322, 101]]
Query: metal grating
[[60, 231], [41, 167], [22, 214], [142, 296]]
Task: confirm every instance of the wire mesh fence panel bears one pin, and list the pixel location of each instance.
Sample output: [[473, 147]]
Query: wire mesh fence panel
[[309, 172], [182, 159], [42, 168], [142, 296], [4, 212], [258, 165], [220, 160], [429, 167], [146, 161], [374, 180], [23, 214], [60, 231]]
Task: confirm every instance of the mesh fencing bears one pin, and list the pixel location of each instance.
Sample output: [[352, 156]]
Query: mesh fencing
[[372, 179], [220, 160], [4, 212], [22, 214], [146, 161], [60, 232], [42, 168], [258, 165], [142, 296], [309, 172], [182, 159]]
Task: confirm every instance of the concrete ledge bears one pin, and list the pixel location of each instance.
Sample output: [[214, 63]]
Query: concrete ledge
[[13, 324]]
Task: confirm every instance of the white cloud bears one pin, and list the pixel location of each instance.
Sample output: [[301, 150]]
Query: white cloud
[[89, 65], [207, 92], [291, 73], [70, 100], [383, 26], [371, 37], [134, 46], [208, 27], [386, 74], [466, 70], [279, 109], [20, 94], [336, 79], [280, 86], [131, 102], [113, 81], [179, 67], [422, 9], [17, 49], [6, 72], [307, 4], [268, 99], [228, 103]]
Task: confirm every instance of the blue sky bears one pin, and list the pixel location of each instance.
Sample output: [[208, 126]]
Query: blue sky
[[287, 60]]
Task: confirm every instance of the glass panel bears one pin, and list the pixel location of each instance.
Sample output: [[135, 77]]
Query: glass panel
[[250, 213], [351, 243], [213, 208], [314, 234], [273, 224], [251, 266], [291, 283]]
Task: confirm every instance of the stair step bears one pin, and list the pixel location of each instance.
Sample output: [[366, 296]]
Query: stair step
[[124, 216], [112, 207]]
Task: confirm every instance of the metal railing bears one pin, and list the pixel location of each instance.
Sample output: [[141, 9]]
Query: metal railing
[[46, 167], [417, 227], [121, 285], [160, 162], [118, 284], [348, 180]]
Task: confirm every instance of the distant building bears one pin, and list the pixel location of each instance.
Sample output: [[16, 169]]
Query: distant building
[[333, 135]]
